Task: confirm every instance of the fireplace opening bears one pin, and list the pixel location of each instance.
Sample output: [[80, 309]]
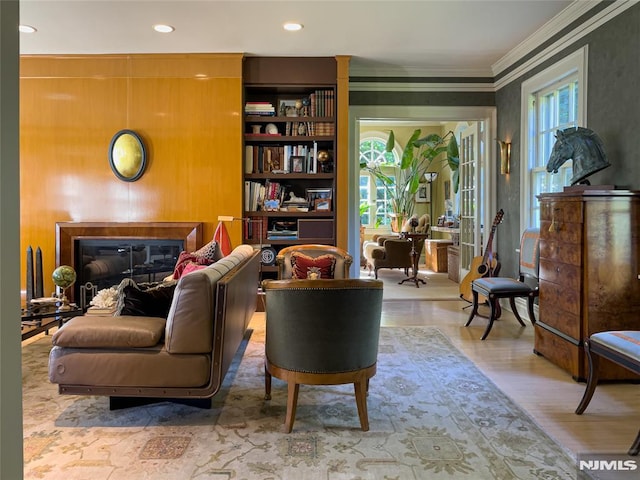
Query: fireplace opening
[[106, 262]]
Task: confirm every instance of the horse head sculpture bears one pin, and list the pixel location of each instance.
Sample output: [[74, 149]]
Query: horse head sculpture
[[584, 147]]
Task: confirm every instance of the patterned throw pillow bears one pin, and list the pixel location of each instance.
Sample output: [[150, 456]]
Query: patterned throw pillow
[[303, 265], [210, 251]]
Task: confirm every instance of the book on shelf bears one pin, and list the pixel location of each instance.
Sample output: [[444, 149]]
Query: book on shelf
[[282, 235]]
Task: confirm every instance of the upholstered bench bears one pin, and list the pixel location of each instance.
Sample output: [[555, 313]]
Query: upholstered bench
[[621, 347]]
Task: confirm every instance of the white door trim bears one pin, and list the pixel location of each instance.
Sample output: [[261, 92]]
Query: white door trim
[[415, 113]]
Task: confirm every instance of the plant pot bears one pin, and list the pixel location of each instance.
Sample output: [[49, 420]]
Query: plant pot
[[397, 220]]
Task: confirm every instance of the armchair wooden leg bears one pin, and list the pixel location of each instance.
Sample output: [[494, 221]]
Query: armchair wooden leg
[[292, 403], [361, 403], [592, 380]]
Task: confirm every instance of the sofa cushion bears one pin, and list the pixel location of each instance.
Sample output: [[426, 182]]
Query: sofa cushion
[[144, 299], [110, 332], [304, 266]]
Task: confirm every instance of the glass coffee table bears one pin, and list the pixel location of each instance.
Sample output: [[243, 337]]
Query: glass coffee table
[[37, 318]]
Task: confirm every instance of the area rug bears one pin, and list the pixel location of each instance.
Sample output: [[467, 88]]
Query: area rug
[[432, 415]]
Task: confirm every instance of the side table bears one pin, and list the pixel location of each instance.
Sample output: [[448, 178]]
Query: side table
[[40, 318], [417, 239]]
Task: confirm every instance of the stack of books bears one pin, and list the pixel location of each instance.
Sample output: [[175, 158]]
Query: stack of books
[[282, 235], [103, 311], [259, 108]]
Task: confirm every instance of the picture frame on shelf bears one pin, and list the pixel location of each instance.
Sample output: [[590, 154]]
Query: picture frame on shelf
[[423, 195], [314, 194], [322, 205], [287, 108], [297, 163]]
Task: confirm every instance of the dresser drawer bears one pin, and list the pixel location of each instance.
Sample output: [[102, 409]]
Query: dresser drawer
[[561, 252], [562, 232], [558, 297], [561, 211], [565, 276], [557, 317]]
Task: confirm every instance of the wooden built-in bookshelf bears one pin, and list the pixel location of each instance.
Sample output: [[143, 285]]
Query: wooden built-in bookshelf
[[290, 153]]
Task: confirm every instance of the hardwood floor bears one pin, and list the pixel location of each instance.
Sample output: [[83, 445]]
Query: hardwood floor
[[547, 393]]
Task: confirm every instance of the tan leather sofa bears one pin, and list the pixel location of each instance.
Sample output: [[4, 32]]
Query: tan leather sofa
[[184, 357]]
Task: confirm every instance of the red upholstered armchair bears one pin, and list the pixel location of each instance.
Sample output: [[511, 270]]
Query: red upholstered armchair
[[298, 261]]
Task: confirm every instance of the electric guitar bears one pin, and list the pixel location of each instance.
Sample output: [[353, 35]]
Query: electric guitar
[[484, 266]]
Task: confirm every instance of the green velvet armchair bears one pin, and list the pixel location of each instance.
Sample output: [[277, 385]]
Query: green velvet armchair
[[322, 332]]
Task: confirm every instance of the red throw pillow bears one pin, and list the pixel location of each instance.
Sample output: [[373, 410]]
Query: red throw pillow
[[184, 259], [302, 265], [192, 267]]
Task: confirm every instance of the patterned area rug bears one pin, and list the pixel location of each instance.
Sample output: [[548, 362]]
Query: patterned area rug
[[432, 415]]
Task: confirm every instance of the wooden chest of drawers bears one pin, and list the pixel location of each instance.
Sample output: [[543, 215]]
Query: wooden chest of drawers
[[589, 274]]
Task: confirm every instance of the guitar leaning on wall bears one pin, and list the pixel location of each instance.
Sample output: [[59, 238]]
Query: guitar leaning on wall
[[484, 266]]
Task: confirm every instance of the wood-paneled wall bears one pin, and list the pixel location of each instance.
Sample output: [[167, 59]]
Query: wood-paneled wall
[[188, 110]]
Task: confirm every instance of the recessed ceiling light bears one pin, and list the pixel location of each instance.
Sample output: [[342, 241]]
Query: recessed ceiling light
[[163, 28], [26, 29], [292, 26]]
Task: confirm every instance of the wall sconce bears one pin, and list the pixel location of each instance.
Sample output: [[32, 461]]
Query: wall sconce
[[505, 157]]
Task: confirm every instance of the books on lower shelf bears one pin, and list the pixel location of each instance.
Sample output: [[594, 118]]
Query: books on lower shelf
[[282, 235]]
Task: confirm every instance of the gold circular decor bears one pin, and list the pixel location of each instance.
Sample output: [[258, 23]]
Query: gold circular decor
[[127, 155]]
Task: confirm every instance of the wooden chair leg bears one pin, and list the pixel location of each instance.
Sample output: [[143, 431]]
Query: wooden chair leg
[[474, 310], [635, 448], [292, 403], [512, 302], [592, 380], [532, 315], [361, 403], [267, 383], [492, 316]]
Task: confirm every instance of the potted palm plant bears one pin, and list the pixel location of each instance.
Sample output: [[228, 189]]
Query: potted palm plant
[[401, 181]]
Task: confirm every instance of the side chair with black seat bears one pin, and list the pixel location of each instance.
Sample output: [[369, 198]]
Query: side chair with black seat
[[322, 332], [495, 288]]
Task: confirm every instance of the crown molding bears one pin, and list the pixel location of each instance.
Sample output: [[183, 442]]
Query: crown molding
[[419, 87], [602, 17], [570, 14], [356, 70]]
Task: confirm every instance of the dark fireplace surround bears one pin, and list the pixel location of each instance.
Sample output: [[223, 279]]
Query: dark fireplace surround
[[68, 235]]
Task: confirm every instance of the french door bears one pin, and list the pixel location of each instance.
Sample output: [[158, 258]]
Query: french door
[[471, 209]]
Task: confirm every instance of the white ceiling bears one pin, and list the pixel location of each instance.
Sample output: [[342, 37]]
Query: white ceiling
[[408, 38]]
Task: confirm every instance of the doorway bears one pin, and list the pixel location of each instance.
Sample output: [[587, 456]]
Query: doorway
[[403, 115]]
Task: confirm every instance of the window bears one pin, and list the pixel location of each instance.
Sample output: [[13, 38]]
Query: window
[[552, 100], [374, 202]]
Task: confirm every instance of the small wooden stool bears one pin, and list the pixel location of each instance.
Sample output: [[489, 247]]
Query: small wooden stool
[[621, 347]]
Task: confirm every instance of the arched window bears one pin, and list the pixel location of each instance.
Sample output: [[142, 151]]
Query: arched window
[[374, 204]]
